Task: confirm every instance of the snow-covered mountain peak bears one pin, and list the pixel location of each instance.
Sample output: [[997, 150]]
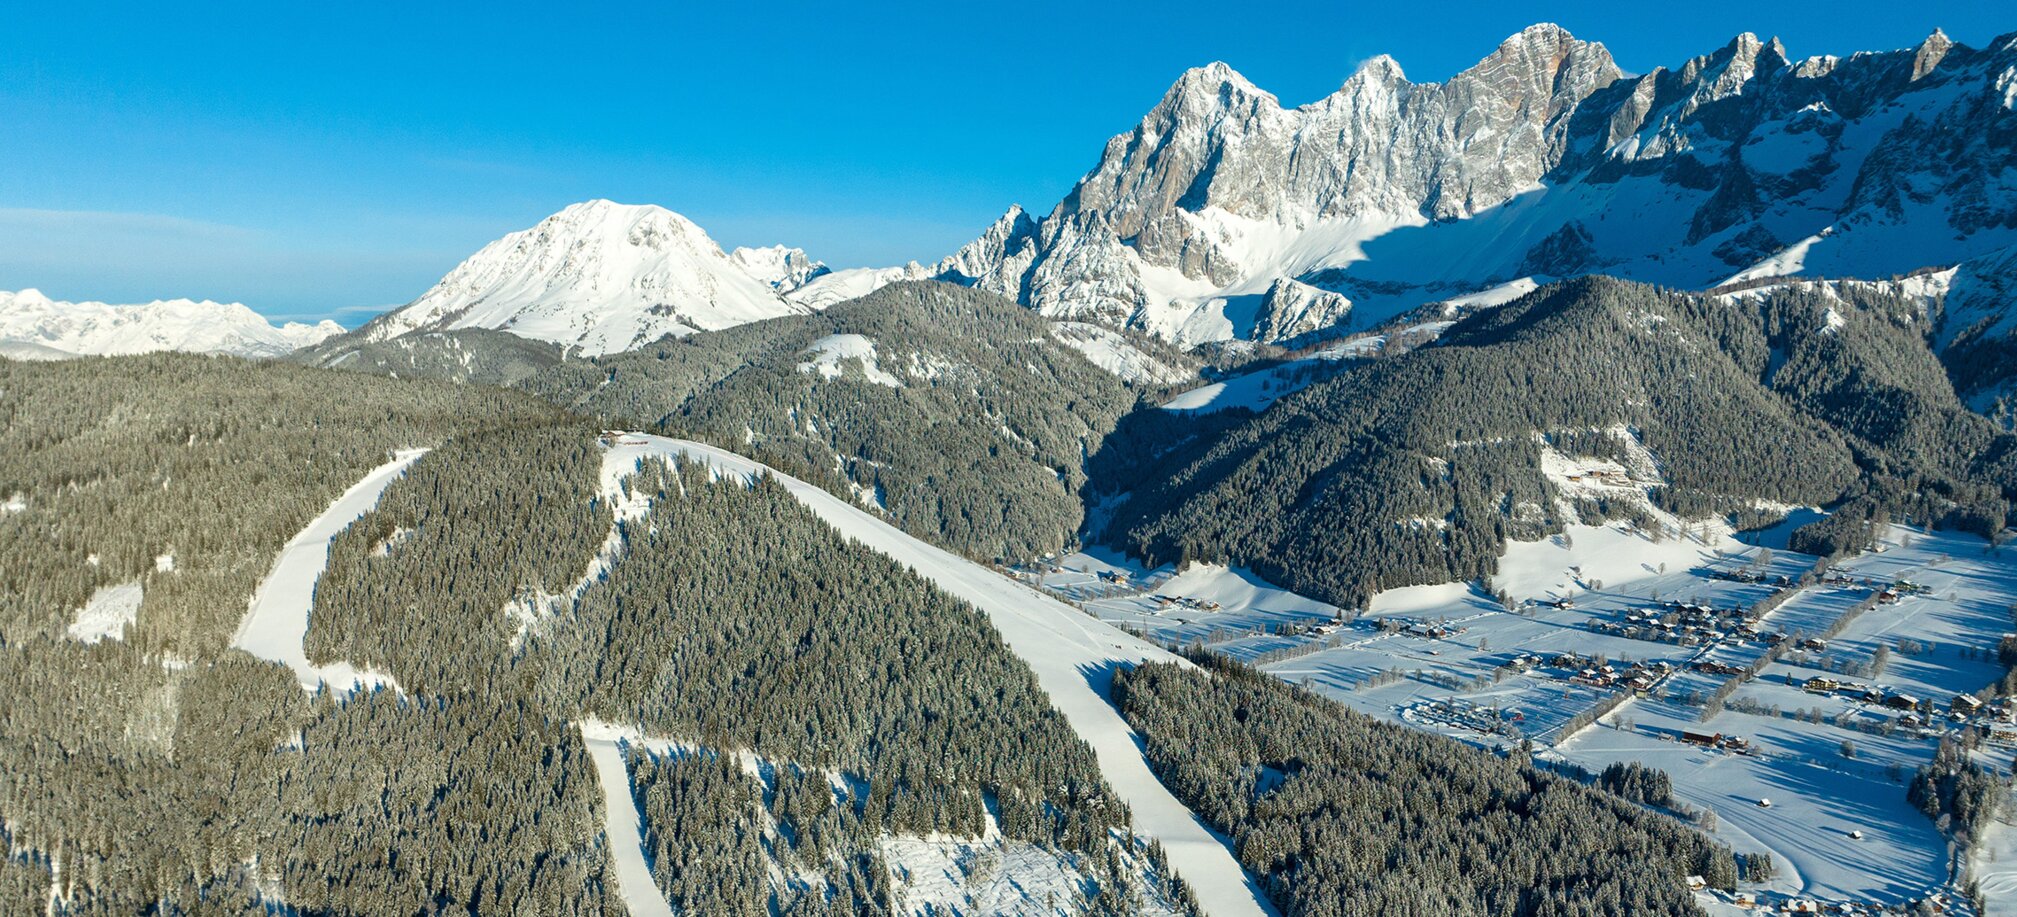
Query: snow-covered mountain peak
[[785, 269], [1380, 68], [1216, 80], [600, 276]]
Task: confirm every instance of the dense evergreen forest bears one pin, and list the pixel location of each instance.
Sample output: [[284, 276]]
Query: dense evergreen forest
[[740, 618], [1741, 401], [420, 587], [115, 468], [160, 772], [164, 773], [1341, 814]]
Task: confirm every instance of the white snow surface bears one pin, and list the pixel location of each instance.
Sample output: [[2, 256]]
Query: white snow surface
[[830, 357], [785, 269], [1069, 652], [1109, 350], [602, 276], [277, 620], [107, 613], [1995, 865], [33, 326], [840, 286]]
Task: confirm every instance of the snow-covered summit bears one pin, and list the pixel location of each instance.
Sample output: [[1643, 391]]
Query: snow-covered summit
[[600, 276], [34, 323], [785, 269]]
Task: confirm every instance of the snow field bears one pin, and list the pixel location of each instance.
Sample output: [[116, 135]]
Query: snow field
[[108, 613]]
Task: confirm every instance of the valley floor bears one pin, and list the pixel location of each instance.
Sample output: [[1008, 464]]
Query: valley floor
[[1448, 659]]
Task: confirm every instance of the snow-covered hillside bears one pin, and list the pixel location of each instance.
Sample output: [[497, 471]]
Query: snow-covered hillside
[[33, 326], [604, 277]]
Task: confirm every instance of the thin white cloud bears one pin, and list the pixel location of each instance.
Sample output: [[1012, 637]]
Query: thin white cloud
[[28, 218]]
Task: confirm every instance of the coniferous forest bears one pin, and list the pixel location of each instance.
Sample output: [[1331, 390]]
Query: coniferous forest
[[1340, 814], [810, 698]]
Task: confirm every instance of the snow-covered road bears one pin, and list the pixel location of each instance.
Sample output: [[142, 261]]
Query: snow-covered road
[[278, 619], [1072, 654]]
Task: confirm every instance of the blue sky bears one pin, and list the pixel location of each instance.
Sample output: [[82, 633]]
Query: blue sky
[[336, 158]]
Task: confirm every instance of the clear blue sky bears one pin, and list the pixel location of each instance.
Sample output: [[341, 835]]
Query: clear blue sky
[[317, 159]]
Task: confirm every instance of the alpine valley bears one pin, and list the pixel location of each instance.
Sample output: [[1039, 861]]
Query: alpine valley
[[1552, 491]]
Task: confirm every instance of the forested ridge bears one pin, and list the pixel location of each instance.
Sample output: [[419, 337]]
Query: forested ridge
[[980, 445], [173, 775], [1740, 401], [212, 463], [164, 773]]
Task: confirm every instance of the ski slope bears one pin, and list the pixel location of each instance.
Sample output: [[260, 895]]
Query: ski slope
[[1072, 655], [278, 619], [641, 896]]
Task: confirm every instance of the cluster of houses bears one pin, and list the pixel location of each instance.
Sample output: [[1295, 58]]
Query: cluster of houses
[[1689, 624], [1887, 593], [1611, 477], [1718, 740], [1752, 576], [1716, 667], [610, 438], [1750, 901], [1589, 672], [1465, 715], [1997, 716], [1165, 602], [1639, 676], [1427, 630]]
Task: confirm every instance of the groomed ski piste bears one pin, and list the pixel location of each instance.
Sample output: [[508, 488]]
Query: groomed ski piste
[[620, 824], [278, 618], [1071, 654]]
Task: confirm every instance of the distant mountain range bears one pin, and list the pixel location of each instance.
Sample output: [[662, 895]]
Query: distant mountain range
[[33, 326], [1224, 215]]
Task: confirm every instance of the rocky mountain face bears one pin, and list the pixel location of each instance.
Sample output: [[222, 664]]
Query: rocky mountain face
[[605, 277], [33, 326], [785, 269], [1544, 159]]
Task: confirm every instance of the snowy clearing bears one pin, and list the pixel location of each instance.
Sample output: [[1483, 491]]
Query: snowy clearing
[[278, 618], [829, 357], [1256, 390], [1071, 654], [1995, 866], [1109, 350], [108, 613]]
